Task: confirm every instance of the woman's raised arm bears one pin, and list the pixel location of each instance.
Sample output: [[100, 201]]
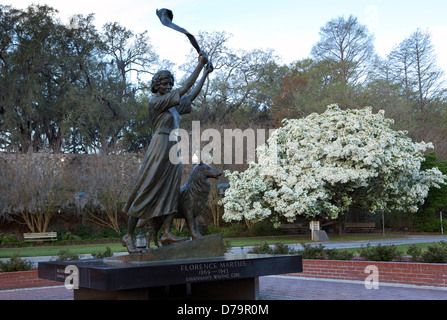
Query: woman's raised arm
[[203, 60], [195, 92]]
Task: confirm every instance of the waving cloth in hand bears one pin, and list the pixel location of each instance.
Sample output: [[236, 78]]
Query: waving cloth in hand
[[166, 17]]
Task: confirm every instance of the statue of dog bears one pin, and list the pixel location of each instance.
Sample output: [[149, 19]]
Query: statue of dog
[[192, 200]]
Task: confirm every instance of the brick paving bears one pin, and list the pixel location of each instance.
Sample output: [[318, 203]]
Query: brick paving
[[291, 288], [45, 293], [276, 288]]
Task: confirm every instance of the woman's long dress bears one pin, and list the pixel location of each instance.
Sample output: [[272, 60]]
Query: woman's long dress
[[157, 188]]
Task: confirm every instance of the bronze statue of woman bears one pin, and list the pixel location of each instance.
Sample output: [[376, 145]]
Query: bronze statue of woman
[[156, 190]]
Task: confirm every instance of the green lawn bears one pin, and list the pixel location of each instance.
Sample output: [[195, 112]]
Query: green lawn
[[54, 250], [117, 247], [238, 242]]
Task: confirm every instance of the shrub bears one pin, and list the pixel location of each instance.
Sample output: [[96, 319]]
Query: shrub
[[109, 234], [232, 231], [85, 232], [213, 229], [436, 253], [66, 255], [312, 252], [227, 245], [281, 248], [319, 252], [262, 228], [380, 253], [261, 249], [7, 239], [334, 254], [428, 223], [415, 253], [15, 264], [278, 248], [102, 255], [68, 236]]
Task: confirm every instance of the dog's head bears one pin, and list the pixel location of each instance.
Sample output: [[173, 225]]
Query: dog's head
[[208, 171]]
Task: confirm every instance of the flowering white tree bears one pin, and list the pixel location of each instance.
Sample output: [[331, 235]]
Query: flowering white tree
[[322, 164]]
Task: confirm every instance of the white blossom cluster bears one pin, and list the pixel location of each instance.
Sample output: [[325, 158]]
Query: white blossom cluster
[[324, 163]]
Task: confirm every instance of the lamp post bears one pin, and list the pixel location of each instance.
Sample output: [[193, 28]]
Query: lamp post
[[442, 226]]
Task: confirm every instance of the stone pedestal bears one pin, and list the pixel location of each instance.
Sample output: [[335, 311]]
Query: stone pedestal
[[226, 276], [210, 246], [320, 236], [239, 289]]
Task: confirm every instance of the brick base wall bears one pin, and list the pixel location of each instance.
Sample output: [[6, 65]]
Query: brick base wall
[[420, 274], [24, 279]]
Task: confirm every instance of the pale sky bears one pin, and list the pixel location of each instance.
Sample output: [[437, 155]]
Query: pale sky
[[290, 27]]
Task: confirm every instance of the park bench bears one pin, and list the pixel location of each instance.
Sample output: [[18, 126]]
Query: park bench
[[40, 237], [360, 226], [292, 228]]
